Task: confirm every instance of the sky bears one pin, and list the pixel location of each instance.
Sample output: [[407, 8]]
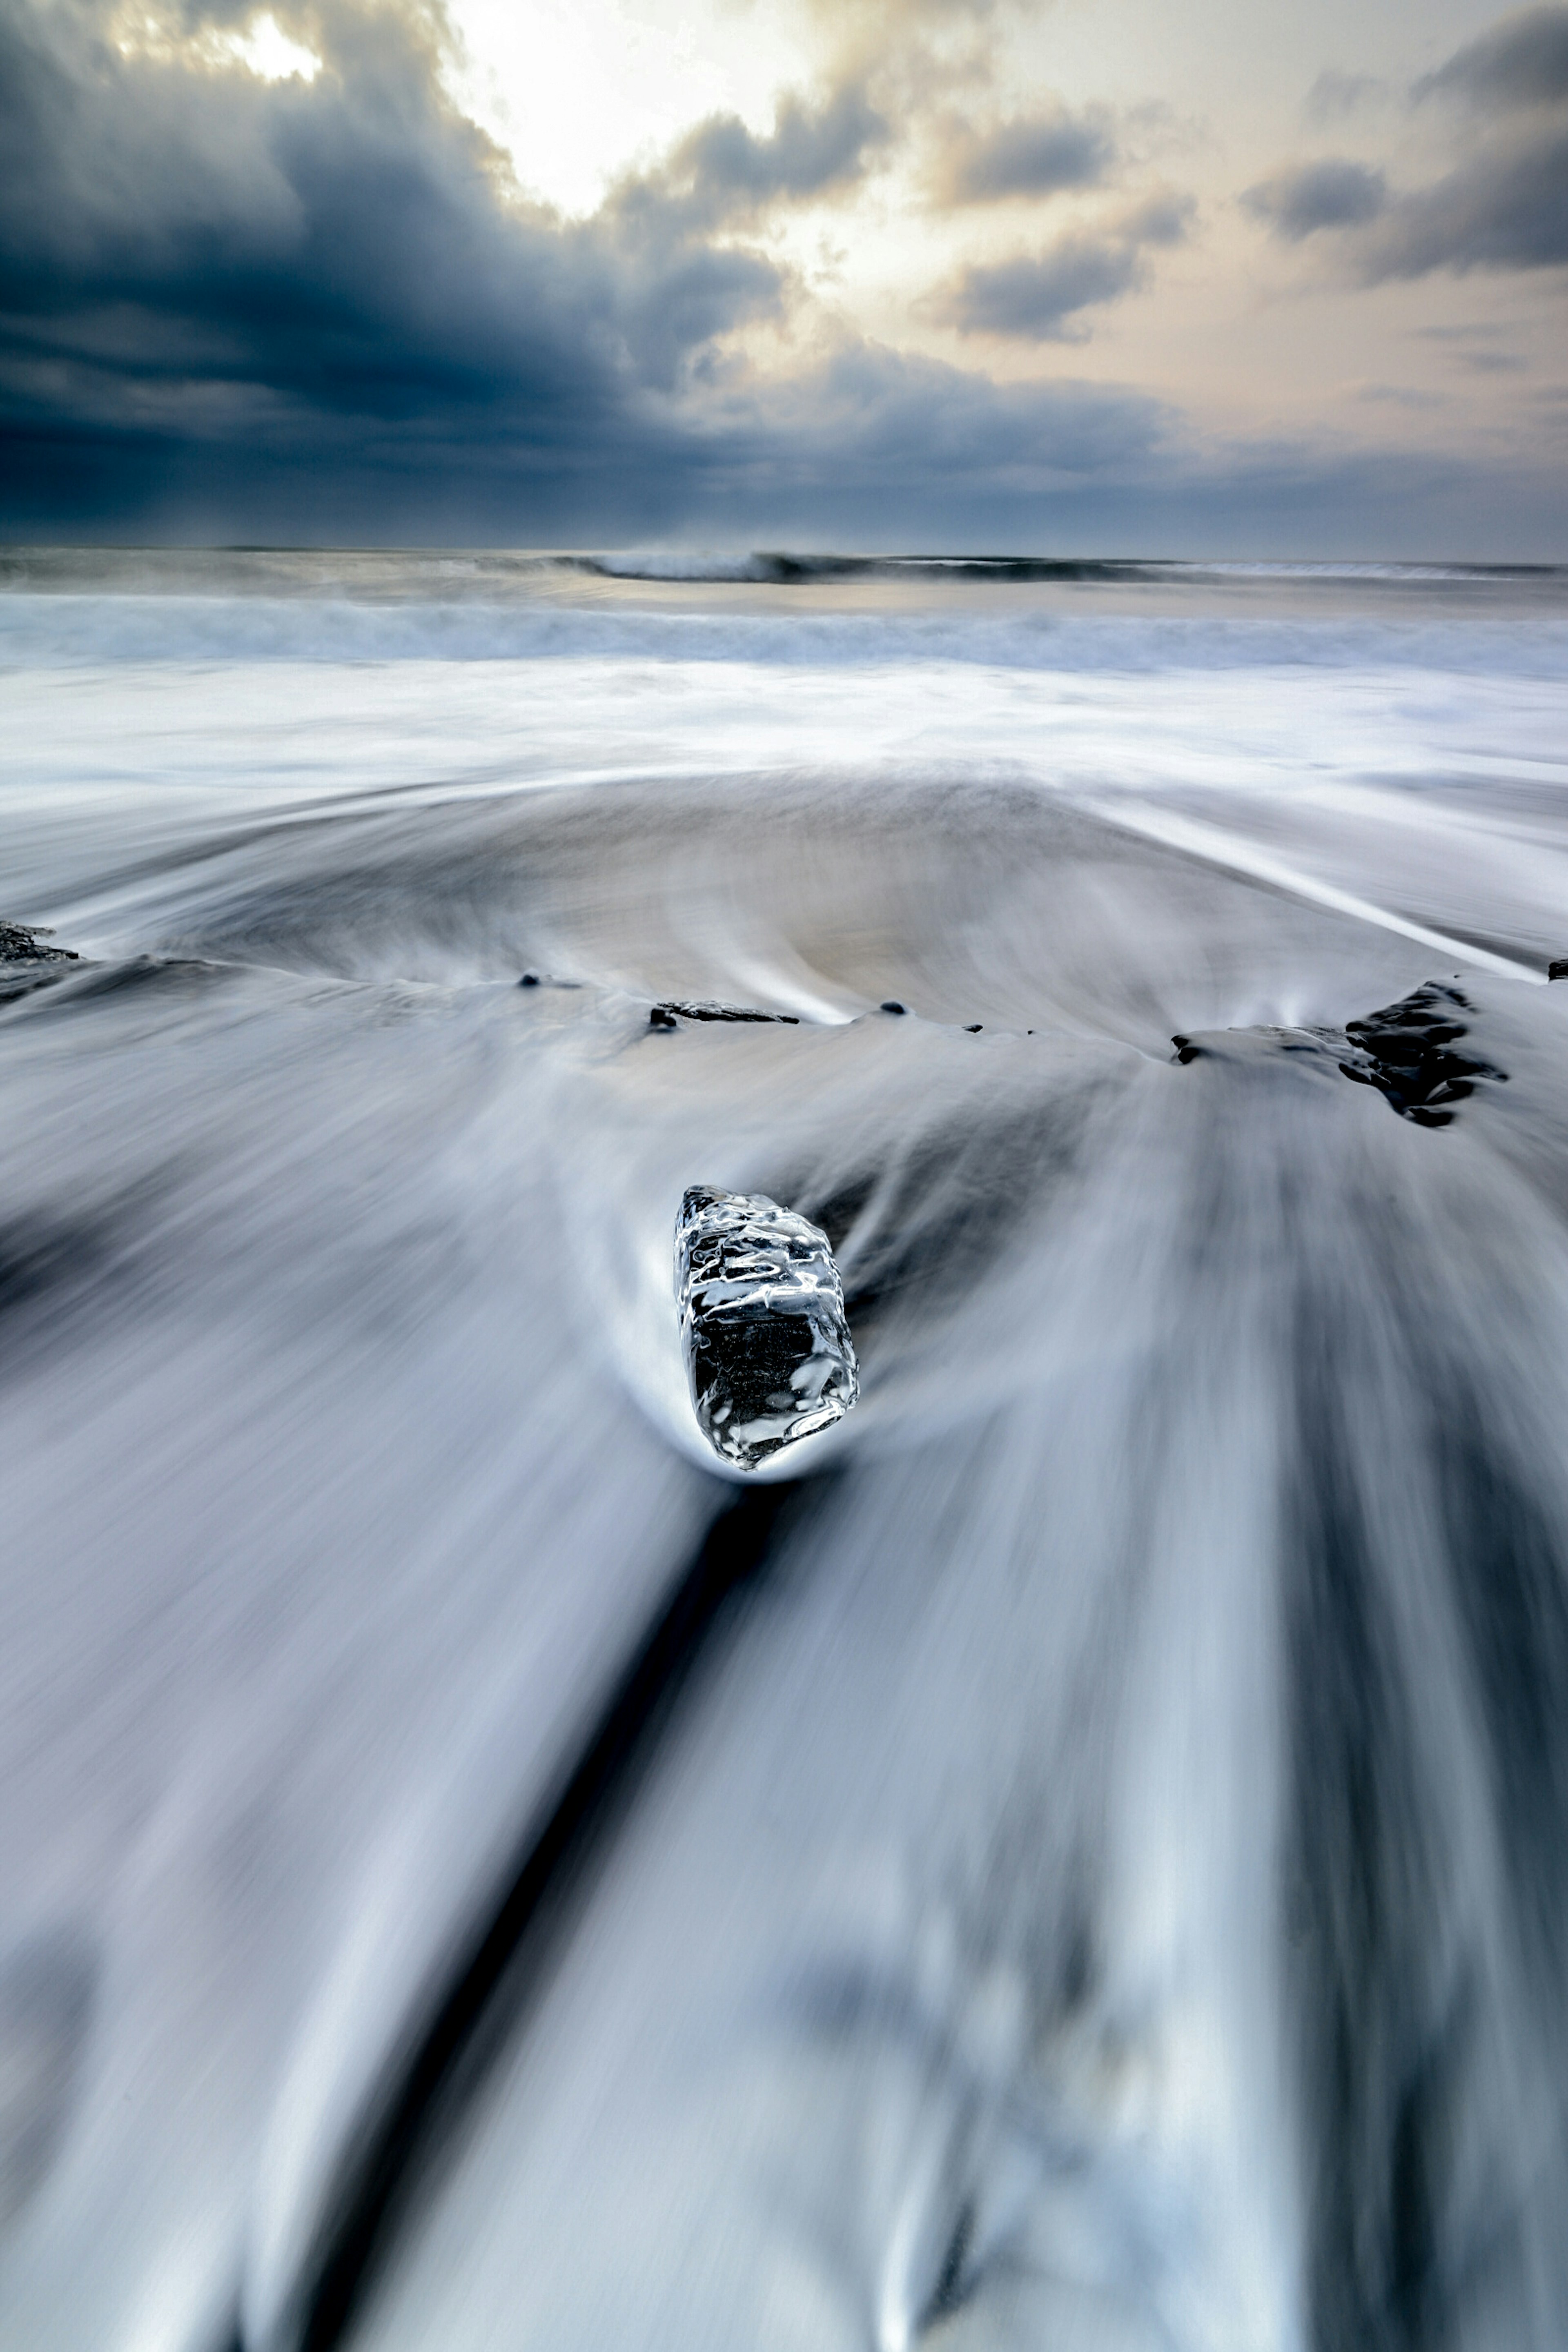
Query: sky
[[1049, 275]]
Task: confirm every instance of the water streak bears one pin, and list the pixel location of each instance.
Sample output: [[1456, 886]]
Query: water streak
[[1076, 1858]]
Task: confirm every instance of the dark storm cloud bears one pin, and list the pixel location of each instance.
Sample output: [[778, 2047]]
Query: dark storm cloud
[[323, 309], [1521, 62], [1507, 209], [1035, 294], [1039, 297], [205, 278], [1502, 205], [351, 242], [1032, 155], [1331, 194], [721, 171], [1505, 203], [890, 414]]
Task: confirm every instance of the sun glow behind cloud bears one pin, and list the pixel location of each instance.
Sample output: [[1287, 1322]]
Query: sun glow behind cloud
[[259, 46], [578, 92], [1007, 214]]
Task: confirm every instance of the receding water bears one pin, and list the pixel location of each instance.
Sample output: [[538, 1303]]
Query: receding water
[[1074, 1855]]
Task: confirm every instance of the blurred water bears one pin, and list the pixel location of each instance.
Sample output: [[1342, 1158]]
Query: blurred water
[[1080, 1861]]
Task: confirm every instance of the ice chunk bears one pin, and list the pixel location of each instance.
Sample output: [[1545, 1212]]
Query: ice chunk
[[768, 1351]]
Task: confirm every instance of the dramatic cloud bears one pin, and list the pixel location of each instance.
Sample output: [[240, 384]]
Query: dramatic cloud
[[1036, 294], [1508, 210], [319, 305], [1038, 297], [350, 241], [1032, 155], [1309, 196], [306, 272], [880, 421], [274, 307], [1521, 62], [1503, 205], [720, 171]]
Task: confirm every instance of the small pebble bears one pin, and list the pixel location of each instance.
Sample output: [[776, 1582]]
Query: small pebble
[[892, 1004], [973, 1028], [529, 980]]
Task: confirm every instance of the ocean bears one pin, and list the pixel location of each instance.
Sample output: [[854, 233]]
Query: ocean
[[1075, 1854]]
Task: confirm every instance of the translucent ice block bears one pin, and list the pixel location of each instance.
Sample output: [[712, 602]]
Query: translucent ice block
[[768, 1351]]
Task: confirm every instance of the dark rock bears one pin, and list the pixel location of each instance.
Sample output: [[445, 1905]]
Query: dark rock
[[26, 963], [693, 1011], [1558, 968], [1187, 1051], [19, 944], [973, 1028], [892, 1004], [1406, 1051], [529, 980]]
